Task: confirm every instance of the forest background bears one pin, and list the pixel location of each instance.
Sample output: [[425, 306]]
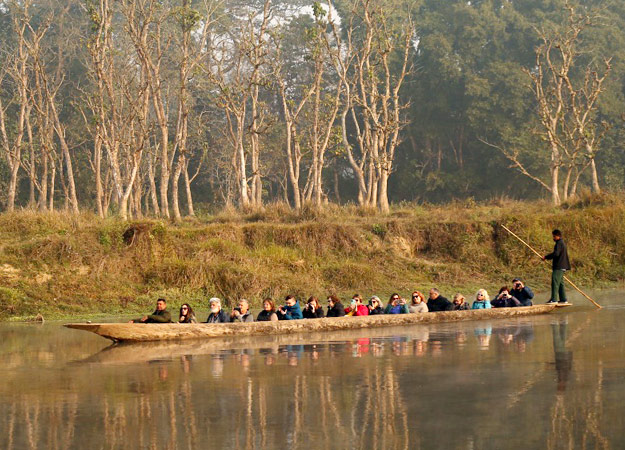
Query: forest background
[[143, 109]]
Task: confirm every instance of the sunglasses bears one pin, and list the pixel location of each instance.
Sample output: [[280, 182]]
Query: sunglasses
[[184, 308], [480, 295], [415, 296]]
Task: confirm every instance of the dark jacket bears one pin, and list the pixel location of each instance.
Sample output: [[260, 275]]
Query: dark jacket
[[524, 295], [377, 310], [265, 316], [338, 310], [463, 306], [559, 256], [316, 314], [292, 312], [440, 304], [221, 317], [509, 302], [157, 316]]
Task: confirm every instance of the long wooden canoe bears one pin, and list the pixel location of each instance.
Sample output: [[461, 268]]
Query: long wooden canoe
[[133, 332]]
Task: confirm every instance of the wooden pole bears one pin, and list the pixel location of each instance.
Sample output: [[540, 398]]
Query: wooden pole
[[541, 256]]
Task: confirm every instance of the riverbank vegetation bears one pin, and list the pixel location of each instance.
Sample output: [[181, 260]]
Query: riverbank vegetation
[[66, 264]]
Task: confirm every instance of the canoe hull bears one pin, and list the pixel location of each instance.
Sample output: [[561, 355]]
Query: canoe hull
[[131, 332]]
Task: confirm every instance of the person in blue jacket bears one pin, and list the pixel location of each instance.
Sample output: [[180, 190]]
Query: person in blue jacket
[[482, 300], [521, 292], [291, 309]]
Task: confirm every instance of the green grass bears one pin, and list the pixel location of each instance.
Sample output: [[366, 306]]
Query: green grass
[[62, 265]]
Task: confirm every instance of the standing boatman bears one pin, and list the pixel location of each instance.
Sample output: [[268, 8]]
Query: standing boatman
[[561, 264]]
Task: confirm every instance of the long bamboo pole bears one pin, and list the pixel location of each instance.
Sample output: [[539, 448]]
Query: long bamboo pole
[[541, 256]]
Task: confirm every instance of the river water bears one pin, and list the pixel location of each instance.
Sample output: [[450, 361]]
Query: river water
[[551, 381]]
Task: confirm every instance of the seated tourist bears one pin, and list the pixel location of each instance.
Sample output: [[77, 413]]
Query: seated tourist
[[268, 314], [375, 306], [396, 305], [482, 300], [186, 314], [290, 310], [504, 299], [160, 315], [437, 302], [356, 308], [335, 307], [217, 315], [242, 312], [459, 303], [313, 309], [417, 304], [521, 292]]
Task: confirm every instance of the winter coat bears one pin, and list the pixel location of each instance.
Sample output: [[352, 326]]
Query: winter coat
[[336, 311], [313, 314], [461, 307], [509, 302], [189, 318], [375, 311], [440, 303], [292, 312], [362, 310], [267, 316], [247, 317], [524, 295], [481, 304], [399, 309], [220, 317], [157, 316]]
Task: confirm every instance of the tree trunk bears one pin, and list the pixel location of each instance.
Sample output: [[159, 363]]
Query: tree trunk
[[187, 187], [595, 178]]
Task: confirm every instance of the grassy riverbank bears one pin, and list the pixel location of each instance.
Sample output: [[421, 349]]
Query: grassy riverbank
[[61, 265]]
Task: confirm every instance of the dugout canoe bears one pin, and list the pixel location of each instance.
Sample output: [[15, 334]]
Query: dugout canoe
[[135, 332]]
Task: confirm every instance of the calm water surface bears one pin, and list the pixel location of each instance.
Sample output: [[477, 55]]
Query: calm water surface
[[553, 381]]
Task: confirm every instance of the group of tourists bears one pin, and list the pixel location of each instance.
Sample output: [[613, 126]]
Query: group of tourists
[[518, 295]]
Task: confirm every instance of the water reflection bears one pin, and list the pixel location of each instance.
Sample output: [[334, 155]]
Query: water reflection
[[409, 387]]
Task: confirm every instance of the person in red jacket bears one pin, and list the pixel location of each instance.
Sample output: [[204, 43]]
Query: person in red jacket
[[356, 308]]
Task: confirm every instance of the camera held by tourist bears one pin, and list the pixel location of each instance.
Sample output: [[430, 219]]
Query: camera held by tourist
[[396, 305], [460, 303], [504, 299], [521, 292], [375, 306], [482, 300], [242, 312], [217, 314], [160, 315], [356, 308], [268, 314], [437, 302], [417, 304], [313, 309], [291, 309]]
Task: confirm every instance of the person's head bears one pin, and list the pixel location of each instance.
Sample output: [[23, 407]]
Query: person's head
[[417, 297], [356, 299], [504, 291], [186, 310], [268, 305], [394, 299], [333, 300], [313, 302], [244, 306], [161, 304], [289, 300], [557, 234], [434, 293], [375, 301], [458, 299], [482, 295], [214, 305], [517, 283]]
